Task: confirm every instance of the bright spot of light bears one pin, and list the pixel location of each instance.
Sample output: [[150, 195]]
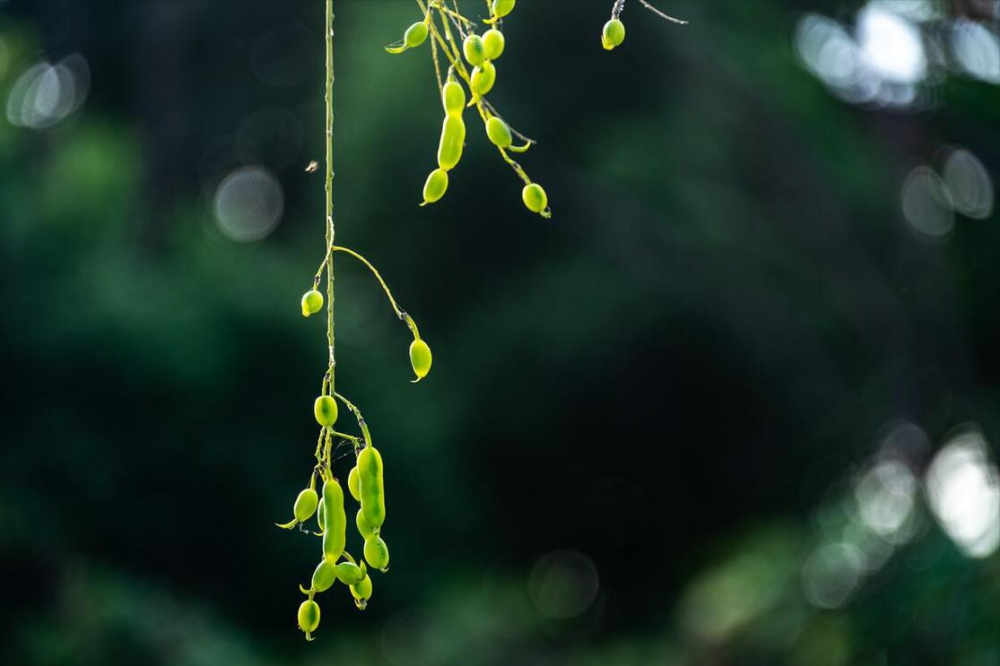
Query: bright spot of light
[[891, 45], [831, 574], [563, 584], [927, 204], [45, 94], [885, 496], [976, 50], [964, 493], [969, 184], [249, 204]]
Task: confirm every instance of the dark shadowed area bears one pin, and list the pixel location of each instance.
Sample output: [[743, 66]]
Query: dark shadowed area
[[736, 403]]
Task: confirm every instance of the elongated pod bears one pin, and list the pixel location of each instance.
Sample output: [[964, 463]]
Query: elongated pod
[[452, 142], [372, 487], [335, 532]]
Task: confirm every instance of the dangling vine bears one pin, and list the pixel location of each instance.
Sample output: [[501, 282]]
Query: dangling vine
[[365, 479]]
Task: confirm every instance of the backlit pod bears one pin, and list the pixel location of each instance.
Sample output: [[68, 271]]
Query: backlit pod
[[498, 132], [349, 573], [435, 187], [309, 617], [420, 358], [483, 78], [372, 487], [364, 529], [535, 198], [312, 302], [475, 50], [377, 553], [613, 34], [415, 35], [503, 7], [453, 98], [324, 576], [362, 592], [352, 484], [325, 410], [452, 142], [493, 43], [305, 505], [335, 532]]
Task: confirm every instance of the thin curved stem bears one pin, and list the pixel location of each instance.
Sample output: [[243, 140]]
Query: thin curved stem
[[330, 231], [357, 414]]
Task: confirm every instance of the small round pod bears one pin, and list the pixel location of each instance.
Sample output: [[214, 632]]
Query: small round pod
[[362, 592], [324, 576], [452, 142], [335, 534], [306, 503], [352, 484], [613, 34], [372, 488], [474, 49], [435, 187], [325, 410], [377, 553], [498, 132], [364, 529], [309, 617], [503, 7], [312, 302], [453, 98], [535, 198], [420, 358], [493, 43], [350, 573], [415, 35], [483, 78]]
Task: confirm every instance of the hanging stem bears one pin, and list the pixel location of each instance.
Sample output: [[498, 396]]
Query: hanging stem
[[330, 234]]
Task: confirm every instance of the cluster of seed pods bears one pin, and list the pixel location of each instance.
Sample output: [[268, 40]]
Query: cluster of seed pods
[[472, 67]]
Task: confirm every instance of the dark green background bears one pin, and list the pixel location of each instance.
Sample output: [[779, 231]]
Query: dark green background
[[672, 377]]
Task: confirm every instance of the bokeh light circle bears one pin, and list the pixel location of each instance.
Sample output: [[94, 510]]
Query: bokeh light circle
[[249, 204]]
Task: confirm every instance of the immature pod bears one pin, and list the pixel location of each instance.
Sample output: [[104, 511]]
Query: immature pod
[[320, 520], [349, 573], [309, 617], [475, 50], [453, 98], [452, 142], [377, 553], [352, 484], [535, 198], [312, 302], [483, 78], [372, 488], [324, 576], [415, 35], [306, 502], [503, 7], [493, 43], [364, 529], [435, 187], [420, 358], [613, 34], [498, 132], [325, 410], [362, 592], [335, 534]]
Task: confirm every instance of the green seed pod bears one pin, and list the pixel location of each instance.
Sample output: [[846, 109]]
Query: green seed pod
[[377, 553], [493, 43], [415, 35], [364, 529], [475, 50], [453, 98], [452, 142], [305, 504], [372, 489], [335, 534], [535, 198], [483, 78], [324, 576], [319, 517], [435, 187], [325, 410], [420, 358], [362, 592], [498, 132], [349, 573], [312, 302], [309, 617], [352, 484], [503, 7], [613, 34]]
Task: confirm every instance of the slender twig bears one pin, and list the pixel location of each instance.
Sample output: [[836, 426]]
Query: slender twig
[[659, 13], [330, 231]]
